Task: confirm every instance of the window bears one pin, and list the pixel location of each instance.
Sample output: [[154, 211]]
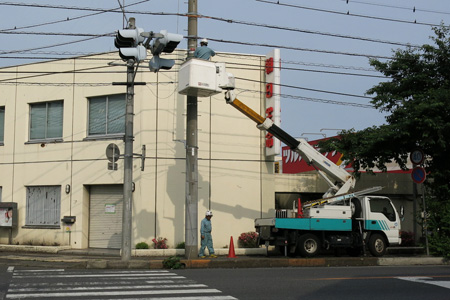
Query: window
[[46, 120], [2, 124], [43, 206], [383, 206], [107, 115]]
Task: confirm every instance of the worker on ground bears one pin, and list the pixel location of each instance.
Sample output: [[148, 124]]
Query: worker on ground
[[205, 232], [204, 52]]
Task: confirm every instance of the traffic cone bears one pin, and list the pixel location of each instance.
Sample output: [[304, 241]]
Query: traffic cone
[[231, 253]]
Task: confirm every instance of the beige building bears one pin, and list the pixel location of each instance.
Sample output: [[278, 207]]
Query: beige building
[[58, 117]]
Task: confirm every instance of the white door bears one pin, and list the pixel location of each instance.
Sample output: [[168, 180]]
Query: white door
[[105, 216], [382, 216]]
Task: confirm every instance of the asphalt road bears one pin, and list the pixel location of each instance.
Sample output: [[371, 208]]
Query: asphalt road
[[415, 282]]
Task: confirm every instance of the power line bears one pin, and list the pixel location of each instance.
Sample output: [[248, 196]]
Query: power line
[[109, 34], [311, 70], [413, 9], [212, 39], [309, 89], [49, 46], [298, 48], [98, 84], [227, 21], [283, 62], [347, 13], [317, 100], [309, 31], [69, 19]]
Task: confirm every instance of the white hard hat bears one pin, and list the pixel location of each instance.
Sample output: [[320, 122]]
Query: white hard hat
[[208, 213], [204, 41]]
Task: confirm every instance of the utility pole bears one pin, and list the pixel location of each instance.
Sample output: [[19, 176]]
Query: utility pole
[[191, 209], [128, 159]]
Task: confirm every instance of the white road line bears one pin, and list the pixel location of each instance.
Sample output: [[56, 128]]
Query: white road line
[[50, 290], [118, 293], [103, 283], [38, 271], [97, 275], [178, 298], [427, 280], [10, 269], [103, 272]]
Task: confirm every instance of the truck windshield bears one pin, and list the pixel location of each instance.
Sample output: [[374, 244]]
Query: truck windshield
[[384, 206]]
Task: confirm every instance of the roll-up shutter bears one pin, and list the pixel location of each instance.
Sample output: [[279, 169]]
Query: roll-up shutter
[[105, 216]]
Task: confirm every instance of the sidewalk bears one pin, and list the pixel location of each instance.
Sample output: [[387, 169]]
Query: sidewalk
[[63, 257]]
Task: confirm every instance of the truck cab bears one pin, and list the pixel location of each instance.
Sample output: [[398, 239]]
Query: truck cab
[[380, 215]]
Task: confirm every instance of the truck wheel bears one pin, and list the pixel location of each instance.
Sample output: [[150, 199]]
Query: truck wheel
[[308, 245], [377, 245], [355, 205]]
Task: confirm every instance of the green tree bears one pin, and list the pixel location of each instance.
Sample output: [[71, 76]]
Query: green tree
[[417, 100]]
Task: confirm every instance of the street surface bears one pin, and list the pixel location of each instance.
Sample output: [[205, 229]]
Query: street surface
[[415, 282]]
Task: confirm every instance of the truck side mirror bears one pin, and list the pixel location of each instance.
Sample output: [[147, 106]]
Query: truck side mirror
[[402, 212]]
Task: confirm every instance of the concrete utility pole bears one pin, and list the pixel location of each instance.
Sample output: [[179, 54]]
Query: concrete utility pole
[[128, 159], [191, 210]]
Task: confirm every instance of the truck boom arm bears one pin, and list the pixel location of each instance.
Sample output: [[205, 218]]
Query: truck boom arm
[[344, 181]]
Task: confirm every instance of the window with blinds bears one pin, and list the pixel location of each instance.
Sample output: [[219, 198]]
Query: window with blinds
[[107, 115], [43, 206], [46, 120]]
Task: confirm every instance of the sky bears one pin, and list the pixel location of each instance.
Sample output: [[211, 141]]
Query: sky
[[325, 44]]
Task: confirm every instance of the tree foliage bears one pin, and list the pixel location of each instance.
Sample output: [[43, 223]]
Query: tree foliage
[[417, 100]]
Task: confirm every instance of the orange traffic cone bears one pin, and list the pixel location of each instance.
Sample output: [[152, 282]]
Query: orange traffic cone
[[231, 253]]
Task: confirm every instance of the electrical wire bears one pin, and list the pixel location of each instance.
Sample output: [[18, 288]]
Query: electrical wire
[[297, 48], [317, 100], [348, 13], [70, 19], [413, 9], [50, 46], [227, 21], [309, 89]]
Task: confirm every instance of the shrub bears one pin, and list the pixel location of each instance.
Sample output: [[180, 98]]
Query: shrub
[[407, 238], [180, 246], [160, 243], [142, 245], [173, 262], [248, 240]]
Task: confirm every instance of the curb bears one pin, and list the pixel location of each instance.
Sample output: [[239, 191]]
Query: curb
[[402, 261], [29, 248], [134, 252]]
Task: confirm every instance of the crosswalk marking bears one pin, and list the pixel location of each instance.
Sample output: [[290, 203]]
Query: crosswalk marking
[[119, 293], [111, 284], [109, 288], [427, 280], [177, 298], [88, 283]]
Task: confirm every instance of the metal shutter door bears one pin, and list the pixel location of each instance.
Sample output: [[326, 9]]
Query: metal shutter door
[[105, 216]]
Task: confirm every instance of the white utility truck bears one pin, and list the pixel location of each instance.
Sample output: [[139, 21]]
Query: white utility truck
[[341, 219]]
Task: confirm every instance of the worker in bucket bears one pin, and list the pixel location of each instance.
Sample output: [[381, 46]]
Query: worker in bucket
[[204, 52], [205, 232]]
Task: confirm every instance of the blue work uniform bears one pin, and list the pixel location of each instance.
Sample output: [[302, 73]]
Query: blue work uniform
[[205, 230], [204, 52]]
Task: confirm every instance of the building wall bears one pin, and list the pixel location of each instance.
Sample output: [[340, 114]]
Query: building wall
[[235, 178]]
